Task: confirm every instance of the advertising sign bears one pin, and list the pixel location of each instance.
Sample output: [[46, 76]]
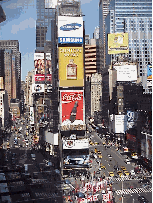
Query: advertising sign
[[149, 72], [39, 64], [1, 83], [76, 144], [70, 30], [132, 117], [72, 111], [120, 123], [31, 115], [71, 72], [126, 72], [50, 3], [37, 88], [106, 197], [118, 43]]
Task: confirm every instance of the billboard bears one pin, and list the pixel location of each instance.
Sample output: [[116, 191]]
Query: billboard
[[149, 72], [1, 83], [149, 75], [76, 144], [72, 111], [37, 88], [50, 3], [126, 72], [120, 123], [70, 30], [71, 71], [132, 118], [118, 43], [31, 115], [39, 64]]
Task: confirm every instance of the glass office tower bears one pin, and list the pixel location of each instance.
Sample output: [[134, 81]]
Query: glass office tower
[[43, 23], [135, 18]]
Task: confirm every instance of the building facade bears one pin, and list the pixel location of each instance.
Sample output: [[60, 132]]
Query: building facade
[[4, 107], [134, 18], [14, 46], [96, 93]]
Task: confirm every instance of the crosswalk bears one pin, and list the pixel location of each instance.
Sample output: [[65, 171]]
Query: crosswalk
[[131, 191], [124, 178]]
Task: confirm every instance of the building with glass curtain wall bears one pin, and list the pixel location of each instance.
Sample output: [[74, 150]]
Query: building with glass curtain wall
[[45, 13], [135, 18]]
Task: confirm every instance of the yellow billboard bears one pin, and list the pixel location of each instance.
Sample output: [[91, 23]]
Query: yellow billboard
[[71, 71], [118, 43]]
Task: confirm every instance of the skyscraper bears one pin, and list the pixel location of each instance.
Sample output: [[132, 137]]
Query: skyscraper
[[135, 18], [14, 46], [45, 13]]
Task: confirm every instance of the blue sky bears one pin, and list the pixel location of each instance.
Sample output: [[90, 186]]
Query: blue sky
[[21, 22]]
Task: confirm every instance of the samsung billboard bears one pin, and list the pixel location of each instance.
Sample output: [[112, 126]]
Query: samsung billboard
[[70, 30]]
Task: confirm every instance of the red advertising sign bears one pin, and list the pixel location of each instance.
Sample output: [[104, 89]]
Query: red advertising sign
[[40, 77], [72, 107]]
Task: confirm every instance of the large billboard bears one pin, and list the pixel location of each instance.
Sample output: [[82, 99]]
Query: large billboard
[[39, 64], [50, 3], [72, 110], [71, 72], [37, 88], [126, 72], [31, 115], [76, 144], [70, 30], [118, 43], [120, 123]]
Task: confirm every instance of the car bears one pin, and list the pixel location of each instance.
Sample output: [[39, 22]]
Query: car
[[111, 174], [132, 172], [123, 168], [120, 173], [100, 156], [98, 172], [142, 199], [99, 152], [99, 169], [127, 161], [109, 156], [95, 156], [102, 166], [126, 173], [33, 156]]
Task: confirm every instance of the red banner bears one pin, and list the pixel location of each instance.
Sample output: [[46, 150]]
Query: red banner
[[72, 106]]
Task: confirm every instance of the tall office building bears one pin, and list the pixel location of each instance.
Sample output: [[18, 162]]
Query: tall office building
[[45, 13], [103, 11], [14, 46], [134, 18]]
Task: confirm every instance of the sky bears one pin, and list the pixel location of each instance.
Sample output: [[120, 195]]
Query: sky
[[20, 25]]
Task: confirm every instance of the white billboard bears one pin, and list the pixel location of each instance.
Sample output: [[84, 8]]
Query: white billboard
[[120, 123], [70, 30], [50, 3], [31, 115], [126, 72], [76, 144], [38, 56], [37, 88], [51, 138], [132, 118]]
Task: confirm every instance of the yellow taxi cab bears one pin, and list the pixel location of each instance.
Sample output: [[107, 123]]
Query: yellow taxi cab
[[100, 156], [96, 150], [102, 166], [26, 133], [126, 173], [96, 143], [111, 174], [104, 143], [120, 173], [99, 152], [27, 126], [123, 168]]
